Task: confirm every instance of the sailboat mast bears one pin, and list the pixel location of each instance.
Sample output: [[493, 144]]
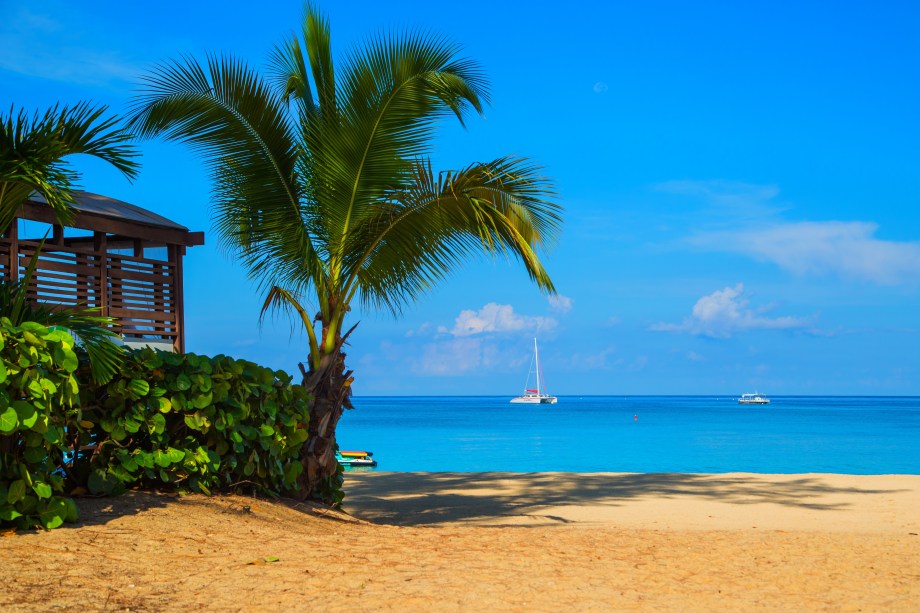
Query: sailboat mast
[[536, 355]]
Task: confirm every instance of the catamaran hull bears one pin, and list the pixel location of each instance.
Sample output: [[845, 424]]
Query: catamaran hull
[[534, 400]]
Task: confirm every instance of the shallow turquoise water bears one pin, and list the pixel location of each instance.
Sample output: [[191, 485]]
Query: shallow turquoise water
[[855, 435]]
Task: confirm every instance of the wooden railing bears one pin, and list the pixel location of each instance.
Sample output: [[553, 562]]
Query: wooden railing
[[141, 294]]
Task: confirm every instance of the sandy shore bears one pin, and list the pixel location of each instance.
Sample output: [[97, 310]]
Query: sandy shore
[[494, 541], [732, 501]]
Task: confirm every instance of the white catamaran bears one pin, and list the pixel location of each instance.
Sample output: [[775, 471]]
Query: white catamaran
[[539, 395]]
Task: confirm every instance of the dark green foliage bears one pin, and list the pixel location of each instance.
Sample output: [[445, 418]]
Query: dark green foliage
[[37, 392], [182, 422], [194, 423]]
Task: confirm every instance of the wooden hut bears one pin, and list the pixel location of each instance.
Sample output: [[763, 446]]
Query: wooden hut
[[116, 256]]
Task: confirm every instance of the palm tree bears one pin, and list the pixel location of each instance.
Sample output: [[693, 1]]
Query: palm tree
[[32, 160], [323, 192], [33, 151]]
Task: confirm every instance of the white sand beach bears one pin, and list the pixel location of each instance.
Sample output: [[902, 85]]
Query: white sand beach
[[494, 541]]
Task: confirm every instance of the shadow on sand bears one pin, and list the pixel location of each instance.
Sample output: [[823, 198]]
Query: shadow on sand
[[419, 499]]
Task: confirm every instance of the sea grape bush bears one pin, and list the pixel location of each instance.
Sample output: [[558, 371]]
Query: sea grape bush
[[194, 423], [184, 422], [38, 393]]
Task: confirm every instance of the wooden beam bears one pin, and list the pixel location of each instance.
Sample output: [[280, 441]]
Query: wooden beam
[[12, 270], [89, 221]]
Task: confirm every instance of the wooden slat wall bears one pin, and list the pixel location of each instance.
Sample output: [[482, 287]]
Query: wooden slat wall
[[140, 293]]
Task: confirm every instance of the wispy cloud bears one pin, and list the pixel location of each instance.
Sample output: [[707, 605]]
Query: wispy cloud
[[452, 357], [724, 201], [37, 45], [600, 87], [749, 220], [847, 249], [560, 304], [719, 191], [495, 317], [725, 312], [455, 356]]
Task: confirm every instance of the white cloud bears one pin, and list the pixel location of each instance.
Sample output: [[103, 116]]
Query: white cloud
[[746, 219], [498, 318], [422, 330], [848, 249], [560, 304], [451, 357], [725, 312], [600, 87]]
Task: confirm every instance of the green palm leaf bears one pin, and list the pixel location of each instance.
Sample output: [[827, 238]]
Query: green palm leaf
[[323, 191], [92, 331], [33, 151], [427, 230]]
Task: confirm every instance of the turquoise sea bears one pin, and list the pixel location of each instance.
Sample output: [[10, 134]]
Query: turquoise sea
[[694, 434]]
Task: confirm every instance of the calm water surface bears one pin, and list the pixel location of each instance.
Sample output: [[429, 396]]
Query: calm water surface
[[706, 434]]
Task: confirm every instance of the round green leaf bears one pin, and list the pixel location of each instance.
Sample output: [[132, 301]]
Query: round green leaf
[[70, 361], [16, 492], [157, 423], [139, 387], [72, 514], [200, 401], [54, 514], [42, 489], [8, 420], [183, 382], [175, 455], [26, 413]]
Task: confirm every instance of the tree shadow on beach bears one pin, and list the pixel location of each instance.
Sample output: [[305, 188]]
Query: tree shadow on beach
[[419, 499], [95, 511]]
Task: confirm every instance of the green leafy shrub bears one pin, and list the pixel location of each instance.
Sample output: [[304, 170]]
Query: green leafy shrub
[[38, 391], [194, 423]]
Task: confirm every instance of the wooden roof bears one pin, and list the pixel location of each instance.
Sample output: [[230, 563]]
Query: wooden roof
[[101, 213]]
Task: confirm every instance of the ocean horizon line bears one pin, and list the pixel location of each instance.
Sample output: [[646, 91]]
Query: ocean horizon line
[[729, 395]]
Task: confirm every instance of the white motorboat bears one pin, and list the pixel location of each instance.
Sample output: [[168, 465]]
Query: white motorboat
[[538, 395], [755, 398]]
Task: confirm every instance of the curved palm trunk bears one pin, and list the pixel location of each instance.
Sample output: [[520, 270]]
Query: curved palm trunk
[[330, 385]]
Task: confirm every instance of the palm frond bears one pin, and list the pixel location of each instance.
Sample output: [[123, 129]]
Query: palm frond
[[392, 93], [33, 148], [91, 330], [281, 301], [233, 119], [318, 40], [427, 230]]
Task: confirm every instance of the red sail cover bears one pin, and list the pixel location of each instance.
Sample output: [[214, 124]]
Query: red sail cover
[[531, 391]]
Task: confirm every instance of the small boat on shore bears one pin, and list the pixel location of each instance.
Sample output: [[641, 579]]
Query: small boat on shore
[[538, 395], [354, 459], [755, 398]]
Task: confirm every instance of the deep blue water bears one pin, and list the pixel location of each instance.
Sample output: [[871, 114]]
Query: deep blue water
[[697, 434]]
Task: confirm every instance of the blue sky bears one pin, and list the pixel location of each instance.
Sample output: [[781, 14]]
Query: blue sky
[[741, 187]]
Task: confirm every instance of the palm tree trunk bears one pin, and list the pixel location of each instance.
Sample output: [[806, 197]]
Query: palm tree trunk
[[330, 385]]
